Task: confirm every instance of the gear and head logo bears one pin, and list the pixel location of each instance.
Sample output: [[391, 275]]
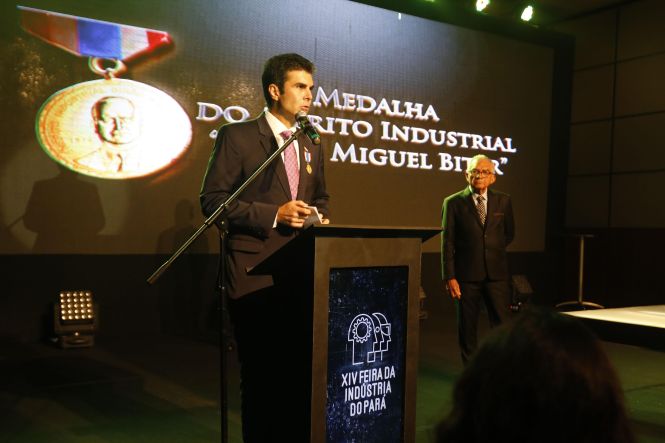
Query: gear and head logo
[[369, 336]]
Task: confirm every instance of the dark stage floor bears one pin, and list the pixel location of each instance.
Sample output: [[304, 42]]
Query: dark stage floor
[[166, 389]]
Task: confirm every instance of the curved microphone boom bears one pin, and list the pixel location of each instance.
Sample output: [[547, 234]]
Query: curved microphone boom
[[306, 125]]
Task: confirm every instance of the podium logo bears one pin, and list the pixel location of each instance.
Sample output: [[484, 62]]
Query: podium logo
[[369, 336]]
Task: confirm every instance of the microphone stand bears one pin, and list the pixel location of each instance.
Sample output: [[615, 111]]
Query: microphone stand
[[221, 280]]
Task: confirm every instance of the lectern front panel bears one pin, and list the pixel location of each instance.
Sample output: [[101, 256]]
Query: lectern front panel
[[367, 326]]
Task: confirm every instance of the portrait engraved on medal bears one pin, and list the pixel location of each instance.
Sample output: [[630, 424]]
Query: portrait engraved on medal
[[113, 128]]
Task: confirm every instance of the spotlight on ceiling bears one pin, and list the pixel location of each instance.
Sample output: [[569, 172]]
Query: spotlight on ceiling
[[527, 13], [482, 4]]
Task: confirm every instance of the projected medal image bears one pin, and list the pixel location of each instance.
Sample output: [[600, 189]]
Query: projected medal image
[[113, 128]]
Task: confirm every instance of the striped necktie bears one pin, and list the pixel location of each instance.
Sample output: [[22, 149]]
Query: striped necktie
[[480, 205], [291, 163]]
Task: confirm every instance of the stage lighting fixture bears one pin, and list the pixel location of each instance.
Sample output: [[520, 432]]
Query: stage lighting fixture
[[75, 319], [482, 4], [527, 13]]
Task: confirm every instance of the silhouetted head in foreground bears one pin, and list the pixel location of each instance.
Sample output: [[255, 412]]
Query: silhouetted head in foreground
[[542, 378]]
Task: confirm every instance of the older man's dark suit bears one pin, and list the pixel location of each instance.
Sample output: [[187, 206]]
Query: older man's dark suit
[[475, 255], [273, 341]]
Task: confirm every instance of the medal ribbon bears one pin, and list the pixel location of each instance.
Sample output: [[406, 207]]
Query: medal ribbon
[[91, 38]]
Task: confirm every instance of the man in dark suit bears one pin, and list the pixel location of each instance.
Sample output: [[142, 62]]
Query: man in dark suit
[[269, 320], [477, 226]]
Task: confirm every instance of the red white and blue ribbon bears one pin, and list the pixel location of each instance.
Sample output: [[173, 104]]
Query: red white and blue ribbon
[[91, 38]]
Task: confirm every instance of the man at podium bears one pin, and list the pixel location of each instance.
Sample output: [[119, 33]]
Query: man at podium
[[267, 325]]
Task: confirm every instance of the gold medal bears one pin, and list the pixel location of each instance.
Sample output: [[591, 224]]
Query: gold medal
[[308, 159], [113, 128], [110, 128]]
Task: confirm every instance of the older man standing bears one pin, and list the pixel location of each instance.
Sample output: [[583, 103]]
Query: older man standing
[[477, 226]]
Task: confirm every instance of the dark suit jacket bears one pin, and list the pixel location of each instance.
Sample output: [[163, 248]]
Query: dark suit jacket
[[240, 148], [469, 250]]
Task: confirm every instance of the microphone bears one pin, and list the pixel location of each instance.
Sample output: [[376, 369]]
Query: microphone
[[306, 126]]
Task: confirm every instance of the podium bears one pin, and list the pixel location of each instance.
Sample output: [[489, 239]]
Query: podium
[[359, 288]]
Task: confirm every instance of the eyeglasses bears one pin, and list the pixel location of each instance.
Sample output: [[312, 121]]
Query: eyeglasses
[[480, 172]]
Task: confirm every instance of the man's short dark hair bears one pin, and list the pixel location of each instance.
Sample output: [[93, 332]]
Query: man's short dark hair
[[276, 68]]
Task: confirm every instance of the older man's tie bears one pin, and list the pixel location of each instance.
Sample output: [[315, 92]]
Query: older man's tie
[[480, 205]]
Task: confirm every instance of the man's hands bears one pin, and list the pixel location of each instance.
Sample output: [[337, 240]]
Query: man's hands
[[294, 214], [453, 288]]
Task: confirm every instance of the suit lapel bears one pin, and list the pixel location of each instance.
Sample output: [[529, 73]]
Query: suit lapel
[[468, 196], [491, 204], [269, 144]]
